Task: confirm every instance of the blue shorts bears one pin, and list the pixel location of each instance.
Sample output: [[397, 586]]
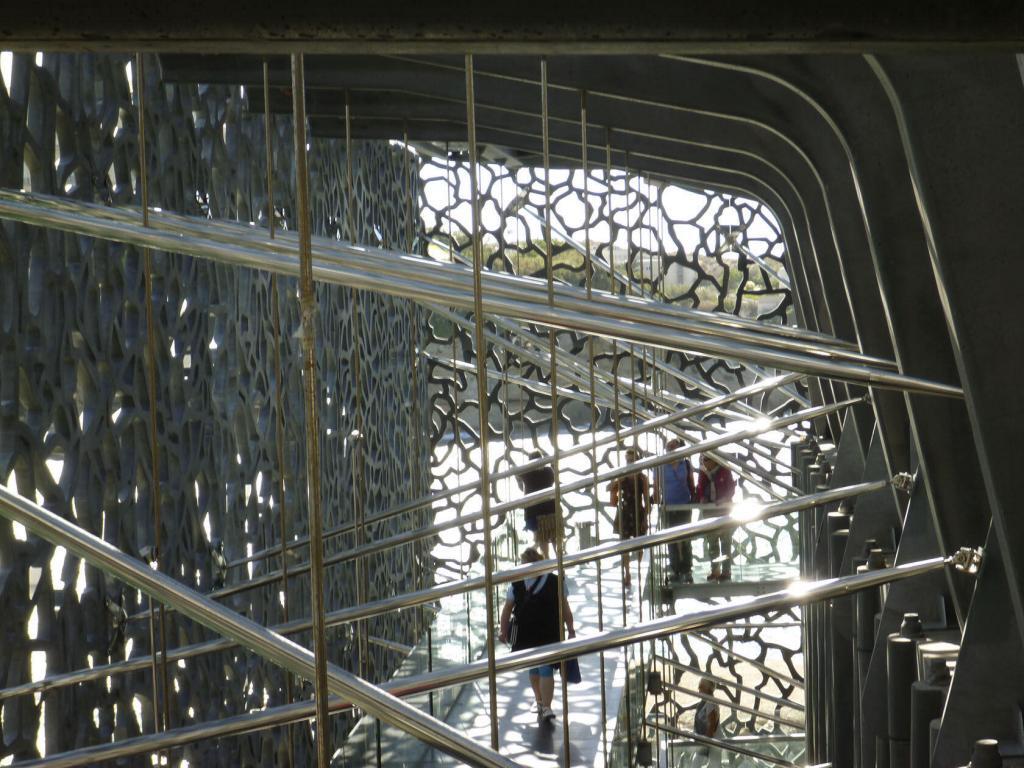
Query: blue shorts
[[548, 670]]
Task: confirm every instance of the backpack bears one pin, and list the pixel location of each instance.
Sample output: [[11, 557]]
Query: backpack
[[529, 614]]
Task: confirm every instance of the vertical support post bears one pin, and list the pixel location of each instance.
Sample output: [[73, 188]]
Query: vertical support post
[[307, 299], [156, 613], [641, 688], [417, 436], [553, 354], [362, 631], [278, 394], [588, 271], [617, 417], [481, 382]]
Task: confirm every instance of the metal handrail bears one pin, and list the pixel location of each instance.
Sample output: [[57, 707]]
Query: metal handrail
[[797, 594], [724, 745], [724, 683], [426, 281], [257, 638], [759, 665], [730, 704], [755, 474], [583, 447], [407, 537], [432, 594], [681, 318]]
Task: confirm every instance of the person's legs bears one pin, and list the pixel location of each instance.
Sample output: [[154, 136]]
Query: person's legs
[[672, 518], [540, 543], [686, 561], [727, 553], [712, 551], [545, 534], [535, 684], [545, 691], [680, 553], [547, 688], [626, 580]]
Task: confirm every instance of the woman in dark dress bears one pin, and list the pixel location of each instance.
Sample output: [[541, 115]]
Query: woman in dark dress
[[534, 602]]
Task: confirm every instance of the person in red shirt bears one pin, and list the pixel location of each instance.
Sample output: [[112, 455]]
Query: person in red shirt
[[716, 485]]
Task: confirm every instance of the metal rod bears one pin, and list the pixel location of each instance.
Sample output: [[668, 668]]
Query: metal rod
[[693, 381], [158, 618], [380, 701], [588, 271], [414, 414], [554, 425], [480, 344], [746, 659], [529, 499], [358, 491], [691, 530], [247, 633], [724, 683], [364, 268], [724, 745], [282, 467], [307, 301], [732, 705], [617, 421], [429, 501]]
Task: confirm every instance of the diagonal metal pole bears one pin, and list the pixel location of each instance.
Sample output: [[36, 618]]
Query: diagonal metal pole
[[482, 398], [307, 299], [246, 632], [405, 537], [724, 683], [724, 745], [425, 281], [703, 527], [52, 528], [584, 447]]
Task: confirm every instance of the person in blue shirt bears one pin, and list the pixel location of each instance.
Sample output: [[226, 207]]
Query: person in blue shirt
[[673, 486]]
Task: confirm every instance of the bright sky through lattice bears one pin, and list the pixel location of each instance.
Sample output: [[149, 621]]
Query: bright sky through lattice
[[506, 184]]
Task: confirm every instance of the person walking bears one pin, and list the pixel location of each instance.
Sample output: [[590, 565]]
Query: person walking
[[631, 496], [533, 603], [673, 488], [540, 517], [716, 486]]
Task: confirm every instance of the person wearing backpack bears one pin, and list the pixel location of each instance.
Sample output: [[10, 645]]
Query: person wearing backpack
[[631, 496], [529, 619], [673, 487]]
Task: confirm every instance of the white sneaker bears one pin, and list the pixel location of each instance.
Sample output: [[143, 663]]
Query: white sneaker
[[547, 714]]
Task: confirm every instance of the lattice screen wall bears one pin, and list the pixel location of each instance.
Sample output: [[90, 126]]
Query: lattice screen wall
[[74, 411], [693, 248]]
